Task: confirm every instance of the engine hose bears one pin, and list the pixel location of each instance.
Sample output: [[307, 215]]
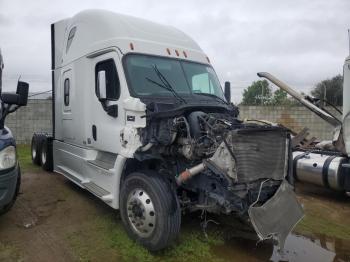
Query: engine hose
[[188, 173]]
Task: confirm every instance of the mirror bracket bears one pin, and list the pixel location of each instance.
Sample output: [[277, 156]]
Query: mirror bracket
[[228, 91], [112, 110]]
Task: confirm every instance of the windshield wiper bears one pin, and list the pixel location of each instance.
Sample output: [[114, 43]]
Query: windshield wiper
[[165, 84], [213, 96]]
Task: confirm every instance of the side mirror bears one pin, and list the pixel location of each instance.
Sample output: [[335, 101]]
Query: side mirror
[[102, 85], [20, 98], [22, 91], [228, 91], [10, 98]]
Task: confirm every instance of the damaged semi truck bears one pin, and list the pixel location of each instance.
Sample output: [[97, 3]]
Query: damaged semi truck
[[140, 120], [323, 163]]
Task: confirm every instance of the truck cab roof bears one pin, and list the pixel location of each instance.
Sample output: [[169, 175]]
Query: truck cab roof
[[93, 30]]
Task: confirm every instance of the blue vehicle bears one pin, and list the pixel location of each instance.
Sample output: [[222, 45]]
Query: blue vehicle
[[10, 174]]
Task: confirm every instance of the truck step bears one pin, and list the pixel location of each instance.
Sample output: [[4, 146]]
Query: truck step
[[104, 160], [97, 190], [100, 164]]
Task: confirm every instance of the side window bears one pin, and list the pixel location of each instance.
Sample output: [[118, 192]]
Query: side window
[[70, 37], [66, 92], [112, 79]]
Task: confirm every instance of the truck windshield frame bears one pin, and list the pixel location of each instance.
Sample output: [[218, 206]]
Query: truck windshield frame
[[187, 78]]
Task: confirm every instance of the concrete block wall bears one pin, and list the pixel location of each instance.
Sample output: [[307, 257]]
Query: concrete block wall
[[293, 117], [37, 116]]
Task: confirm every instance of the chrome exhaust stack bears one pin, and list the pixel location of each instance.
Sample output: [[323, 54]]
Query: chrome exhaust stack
[[302, 99], [338, 140]]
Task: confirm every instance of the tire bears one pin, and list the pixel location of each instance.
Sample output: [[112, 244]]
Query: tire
[[36, 145], [7, 208], [35, 150], [149, 210], [46, 157]]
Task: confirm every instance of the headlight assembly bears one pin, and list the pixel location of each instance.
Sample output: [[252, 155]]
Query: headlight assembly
[[8, 157]]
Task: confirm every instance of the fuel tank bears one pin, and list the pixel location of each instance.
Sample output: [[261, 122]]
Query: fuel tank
[[320, 169]]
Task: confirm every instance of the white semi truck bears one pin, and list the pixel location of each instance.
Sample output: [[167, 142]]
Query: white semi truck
[[140, 120], [325, 163]]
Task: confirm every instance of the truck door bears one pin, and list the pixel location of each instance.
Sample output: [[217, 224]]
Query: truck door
[[106, 116], [67, 107]]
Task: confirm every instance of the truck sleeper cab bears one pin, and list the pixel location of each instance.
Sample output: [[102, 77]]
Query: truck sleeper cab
[[141, 121]]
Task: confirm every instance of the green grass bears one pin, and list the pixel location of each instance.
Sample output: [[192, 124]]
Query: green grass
[[25, 159], [325, 219], [312, 224], [108, 232], [9, 253], [105, 234]]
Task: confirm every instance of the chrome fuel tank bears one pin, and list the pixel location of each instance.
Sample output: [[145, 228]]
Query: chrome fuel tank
[[319, 169]]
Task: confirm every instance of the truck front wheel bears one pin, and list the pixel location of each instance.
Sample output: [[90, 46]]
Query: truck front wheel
[[150, 210]]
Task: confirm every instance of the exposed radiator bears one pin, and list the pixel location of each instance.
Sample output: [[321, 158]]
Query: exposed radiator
[[260, 153]]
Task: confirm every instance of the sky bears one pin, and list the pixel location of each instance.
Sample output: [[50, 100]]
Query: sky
[[301, 42]]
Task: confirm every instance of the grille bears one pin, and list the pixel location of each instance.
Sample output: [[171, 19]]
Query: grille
[[260, 154]]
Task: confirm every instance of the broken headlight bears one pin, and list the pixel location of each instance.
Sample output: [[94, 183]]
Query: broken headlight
[[8, 157]]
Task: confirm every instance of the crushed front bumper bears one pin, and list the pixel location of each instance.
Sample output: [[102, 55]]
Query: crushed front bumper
[[277, 217]]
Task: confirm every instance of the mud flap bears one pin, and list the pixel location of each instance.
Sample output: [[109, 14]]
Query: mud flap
[[278, 216]]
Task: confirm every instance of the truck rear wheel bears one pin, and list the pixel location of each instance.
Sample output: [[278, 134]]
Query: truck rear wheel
[[36, 146], [35, 149], [46, 157], [150, 210]]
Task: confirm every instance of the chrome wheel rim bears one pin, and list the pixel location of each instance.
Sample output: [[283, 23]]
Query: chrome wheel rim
[[141, 213], [33, 152], [43, 157]]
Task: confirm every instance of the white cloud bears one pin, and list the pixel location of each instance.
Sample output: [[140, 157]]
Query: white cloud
[[302, 42]]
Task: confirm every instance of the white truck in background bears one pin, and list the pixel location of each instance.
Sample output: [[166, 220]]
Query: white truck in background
[[140, 120], [324, 163]]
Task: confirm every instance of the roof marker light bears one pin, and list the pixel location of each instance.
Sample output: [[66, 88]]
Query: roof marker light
[[131, 46], [208, 59], [168, 50], [185, 54], [177, 52]]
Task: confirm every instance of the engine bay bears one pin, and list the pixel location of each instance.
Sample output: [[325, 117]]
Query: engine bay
[[217, 161]]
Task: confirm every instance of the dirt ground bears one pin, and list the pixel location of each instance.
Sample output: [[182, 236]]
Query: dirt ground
[[55, 220], [49, 210]]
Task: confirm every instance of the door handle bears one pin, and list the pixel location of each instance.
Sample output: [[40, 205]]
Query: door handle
[[94, 132]]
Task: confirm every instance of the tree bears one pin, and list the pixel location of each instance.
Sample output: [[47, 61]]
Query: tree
[[332, 89], [280, 97], [258, 93]]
